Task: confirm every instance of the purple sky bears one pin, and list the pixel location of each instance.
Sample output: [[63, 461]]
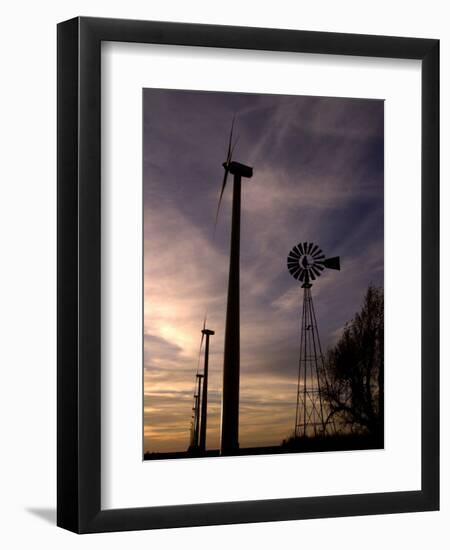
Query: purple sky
[[318, 177]]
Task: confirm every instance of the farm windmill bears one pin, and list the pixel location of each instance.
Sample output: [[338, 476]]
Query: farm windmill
[[231, 366], [306, 262]]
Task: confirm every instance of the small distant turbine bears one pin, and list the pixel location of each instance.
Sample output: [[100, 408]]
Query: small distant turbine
[[204, 408], [200, 409]]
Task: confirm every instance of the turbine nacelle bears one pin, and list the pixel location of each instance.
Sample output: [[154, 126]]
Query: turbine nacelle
[[236, 168]]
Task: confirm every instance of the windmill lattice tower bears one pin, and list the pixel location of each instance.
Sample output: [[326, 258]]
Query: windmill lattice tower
[[306, 262]]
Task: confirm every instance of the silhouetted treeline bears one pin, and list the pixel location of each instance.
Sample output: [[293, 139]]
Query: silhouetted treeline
[[354, 388]]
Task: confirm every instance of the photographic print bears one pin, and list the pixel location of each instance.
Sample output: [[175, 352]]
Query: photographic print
[[263, 275]]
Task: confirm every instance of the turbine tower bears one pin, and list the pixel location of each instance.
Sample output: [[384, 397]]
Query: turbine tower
[[229, 443], [306, 262]]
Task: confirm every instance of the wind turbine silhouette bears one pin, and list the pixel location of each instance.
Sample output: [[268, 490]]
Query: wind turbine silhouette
[[229, 443], [200, 409]]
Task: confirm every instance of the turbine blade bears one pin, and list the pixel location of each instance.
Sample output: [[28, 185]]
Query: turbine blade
[[295, 272], [204, 326], [294, 253], [232, 149], [316, 270], [225, 176], [333, 263], [313, 250], [224, 184], [230, 141], [201, 343], [300, 248]]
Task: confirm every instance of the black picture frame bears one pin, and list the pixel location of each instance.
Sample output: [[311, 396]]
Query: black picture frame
[[79, 281]]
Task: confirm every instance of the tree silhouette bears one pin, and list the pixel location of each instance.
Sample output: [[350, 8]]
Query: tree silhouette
[[354, 387]]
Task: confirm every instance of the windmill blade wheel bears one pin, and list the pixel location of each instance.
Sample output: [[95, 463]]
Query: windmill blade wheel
[[306, 262]]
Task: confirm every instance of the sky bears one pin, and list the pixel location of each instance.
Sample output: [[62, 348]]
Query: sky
[[318, 176]]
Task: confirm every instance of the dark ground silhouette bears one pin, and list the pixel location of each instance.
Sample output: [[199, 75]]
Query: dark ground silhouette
[[350, 442]]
